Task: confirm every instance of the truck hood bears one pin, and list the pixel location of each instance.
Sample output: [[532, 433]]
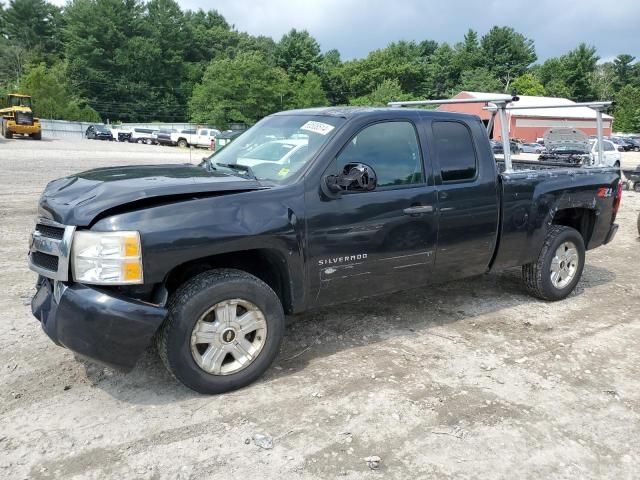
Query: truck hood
[[79, 199], [568, 139]]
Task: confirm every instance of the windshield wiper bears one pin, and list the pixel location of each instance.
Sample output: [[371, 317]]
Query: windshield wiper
[[236, 167]]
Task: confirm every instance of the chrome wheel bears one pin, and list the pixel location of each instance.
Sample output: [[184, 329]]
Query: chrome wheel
[[228, 337], [564, 265]]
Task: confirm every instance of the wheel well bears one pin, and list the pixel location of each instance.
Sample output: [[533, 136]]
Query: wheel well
[[582, 219], [266, 264]]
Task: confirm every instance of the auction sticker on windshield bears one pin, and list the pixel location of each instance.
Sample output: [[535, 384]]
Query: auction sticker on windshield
[[317, 127]]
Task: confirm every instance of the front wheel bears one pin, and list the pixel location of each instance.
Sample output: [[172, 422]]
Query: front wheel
[[223, 330], [558, 268], [182, 143], [636, 187]]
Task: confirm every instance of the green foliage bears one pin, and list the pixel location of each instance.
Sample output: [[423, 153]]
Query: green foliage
[[627, 113], [478, 80], [507, 53], [579, 67], [52, 96], [33, 24], [528, 84], [623, 70], [400, 60], [388, 91], [307, 92], [298, 53], [240, 89]]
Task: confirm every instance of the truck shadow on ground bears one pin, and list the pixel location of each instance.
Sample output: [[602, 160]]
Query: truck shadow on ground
[[326, 331]]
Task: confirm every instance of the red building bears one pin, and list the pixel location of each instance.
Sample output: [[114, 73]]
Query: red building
[[530, 124]]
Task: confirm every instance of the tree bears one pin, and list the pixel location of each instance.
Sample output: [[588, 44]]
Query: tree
[[623, 70], [12, 62], [478, 80], [579, 68], [401, 61], [52, 94], [604, 81], [333, 82], [308, 92], [441, 73], [468, 54], [388, 91], [241, 89], [298, 53], [528, 84], [33, 24], [507, 53], [627, 112]]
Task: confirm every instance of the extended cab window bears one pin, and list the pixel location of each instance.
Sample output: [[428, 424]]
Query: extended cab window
[[455, 151], [391, 149]]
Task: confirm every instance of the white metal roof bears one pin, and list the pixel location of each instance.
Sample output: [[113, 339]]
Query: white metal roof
[[526, 100]]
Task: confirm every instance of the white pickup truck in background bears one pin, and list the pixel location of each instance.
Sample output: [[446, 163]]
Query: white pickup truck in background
[[201, 137]]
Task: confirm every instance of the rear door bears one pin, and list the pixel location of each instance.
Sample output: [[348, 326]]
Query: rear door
[[366, 242], [468, 199]]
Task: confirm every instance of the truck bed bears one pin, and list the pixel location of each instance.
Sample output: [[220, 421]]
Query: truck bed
[[534, 191]]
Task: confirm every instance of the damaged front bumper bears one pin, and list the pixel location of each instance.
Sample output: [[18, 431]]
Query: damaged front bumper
[[96, 324]]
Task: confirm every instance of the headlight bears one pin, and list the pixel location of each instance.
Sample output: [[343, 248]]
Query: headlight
[[106, 258]]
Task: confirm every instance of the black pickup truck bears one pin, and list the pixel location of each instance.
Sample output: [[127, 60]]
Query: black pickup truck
[[305, 209]]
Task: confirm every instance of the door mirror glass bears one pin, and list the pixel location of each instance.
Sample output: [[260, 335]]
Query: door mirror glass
[[356, 177]]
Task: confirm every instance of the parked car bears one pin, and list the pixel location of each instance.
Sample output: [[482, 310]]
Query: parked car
[[124, 135], [634, 143], [225, 138], [163, 136], [98, 132], [202, 137], [569, 145], [207, 260], [532, 148], [497, 147], [143, 135], [620, 145]]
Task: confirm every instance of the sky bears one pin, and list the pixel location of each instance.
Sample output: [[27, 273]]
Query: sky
[[355, 27]]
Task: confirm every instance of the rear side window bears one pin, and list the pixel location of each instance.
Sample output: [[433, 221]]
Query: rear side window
[[455, 151]]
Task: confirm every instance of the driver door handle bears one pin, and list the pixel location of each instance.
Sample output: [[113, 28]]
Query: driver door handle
[[418, 210]]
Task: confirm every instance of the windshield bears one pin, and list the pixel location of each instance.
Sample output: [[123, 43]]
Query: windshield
[[276, 147], [20, 101]]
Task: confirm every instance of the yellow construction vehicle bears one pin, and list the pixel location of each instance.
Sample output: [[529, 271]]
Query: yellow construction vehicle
[[17, 117]]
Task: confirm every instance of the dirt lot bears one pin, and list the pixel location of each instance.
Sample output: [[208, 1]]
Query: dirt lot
[[471, 379]]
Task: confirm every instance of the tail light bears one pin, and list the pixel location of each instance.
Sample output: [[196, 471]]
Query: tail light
[[617, 200]]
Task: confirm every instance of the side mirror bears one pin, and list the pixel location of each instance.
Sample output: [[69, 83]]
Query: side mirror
[[354, 177]]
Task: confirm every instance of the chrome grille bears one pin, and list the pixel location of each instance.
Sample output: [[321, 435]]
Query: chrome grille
[[50, 248]]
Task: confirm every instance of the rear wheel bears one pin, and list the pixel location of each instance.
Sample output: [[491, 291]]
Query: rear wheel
[[558, 268], [636, 187], [182, 143], [140, 140], [36, 136], [223, 330]]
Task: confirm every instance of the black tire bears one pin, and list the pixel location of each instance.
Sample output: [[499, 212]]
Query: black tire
[[36, 136], [182, 143], [191, 301], [636, 187], [617, 164], [537, 275], [140, 141], [5, 131]]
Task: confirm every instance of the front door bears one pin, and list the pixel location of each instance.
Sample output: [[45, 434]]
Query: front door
[[366, 242]]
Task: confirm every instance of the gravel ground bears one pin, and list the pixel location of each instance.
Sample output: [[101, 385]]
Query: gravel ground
[[471, 379]]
